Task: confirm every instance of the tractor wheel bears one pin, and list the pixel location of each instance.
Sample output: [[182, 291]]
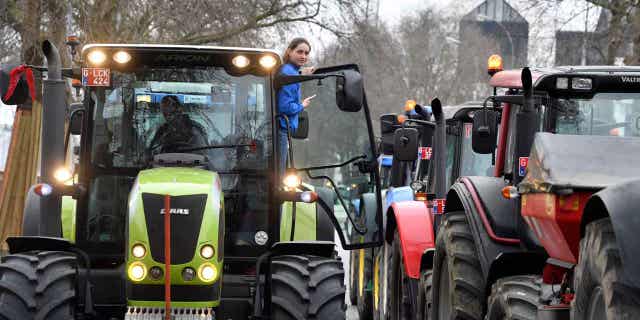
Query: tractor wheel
[[307, 287], [403, 289], [353, 277], [458, 282], [424, 295], [598, 292], [38, 285], [364, 278], [516, 297]]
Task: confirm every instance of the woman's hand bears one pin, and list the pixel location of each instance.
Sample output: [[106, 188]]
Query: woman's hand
[[307, 101], [307, 70]]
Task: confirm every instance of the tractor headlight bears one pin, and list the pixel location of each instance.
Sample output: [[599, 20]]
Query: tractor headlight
[[138, 251], [121, 57], [96, 57], [268, 61], [207, 251], [207, 272], [62, 175], [137, 271], [240, 61], [292, 180]]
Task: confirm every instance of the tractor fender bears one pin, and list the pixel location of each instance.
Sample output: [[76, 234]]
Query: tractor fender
[[324, 226], [414, 223], [620, 203], [396, 195], [32, 220], [481, 200]]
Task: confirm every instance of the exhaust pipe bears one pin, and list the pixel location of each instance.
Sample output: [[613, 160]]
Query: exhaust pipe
[[52, 140]]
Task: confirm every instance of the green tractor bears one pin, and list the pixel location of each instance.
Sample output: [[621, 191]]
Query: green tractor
[[175, 207]]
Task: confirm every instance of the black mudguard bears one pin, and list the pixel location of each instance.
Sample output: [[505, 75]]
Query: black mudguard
[[621, 203], [497, 258], [324, 227]]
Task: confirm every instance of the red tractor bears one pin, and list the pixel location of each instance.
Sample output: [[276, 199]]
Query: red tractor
[[551, 235]]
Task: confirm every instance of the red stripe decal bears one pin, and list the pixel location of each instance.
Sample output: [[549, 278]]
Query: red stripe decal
[[483, 216], [167, 257]]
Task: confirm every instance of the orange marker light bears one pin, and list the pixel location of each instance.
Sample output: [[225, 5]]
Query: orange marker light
[[510, 192], [409, 105], [494, 64], [401, 118]]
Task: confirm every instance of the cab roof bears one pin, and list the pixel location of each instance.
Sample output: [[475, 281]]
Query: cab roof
[[510, 79], [175, 47]]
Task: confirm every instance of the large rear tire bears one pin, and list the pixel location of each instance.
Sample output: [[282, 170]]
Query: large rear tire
[[403, 289], [307, 287], [364, 280], [38, 285], [514, 298], [458, 282], [599, 293]]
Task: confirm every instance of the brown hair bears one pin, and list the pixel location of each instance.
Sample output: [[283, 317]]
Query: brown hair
[[292, 45]]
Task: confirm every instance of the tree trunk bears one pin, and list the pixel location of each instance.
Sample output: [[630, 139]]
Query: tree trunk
[[24, 150]]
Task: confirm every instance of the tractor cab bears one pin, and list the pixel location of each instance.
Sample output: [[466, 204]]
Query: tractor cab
[[176, 203]]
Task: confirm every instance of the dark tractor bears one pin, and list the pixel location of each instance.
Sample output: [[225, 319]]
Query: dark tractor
[[175, 208], [550, 235]]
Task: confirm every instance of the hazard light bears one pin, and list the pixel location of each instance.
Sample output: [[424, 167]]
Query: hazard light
[[494, 64], [409, 105]]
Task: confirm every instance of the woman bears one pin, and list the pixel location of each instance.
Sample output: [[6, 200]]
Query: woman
[[289, 104]]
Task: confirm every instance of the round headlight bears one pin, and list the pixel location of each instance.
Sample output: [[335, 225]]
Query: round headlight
[[292, 181], [207, 251], [138, 251], [62, 175], [137, 271], [207, 272], [121, 57], [240, 61], [268, 61], [96, 57]]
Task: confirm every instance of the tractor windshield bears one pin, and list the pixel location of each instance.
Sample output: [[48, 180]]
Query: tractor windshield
[[472, 163], [614, 114], [177, 110]]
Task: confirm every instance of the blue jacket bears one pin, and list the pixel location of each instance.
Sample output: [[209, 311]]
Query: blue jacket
[[289, 98]]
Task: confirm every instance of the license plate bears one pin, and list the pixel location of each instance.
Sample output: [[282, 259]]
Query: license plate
[[96, 77]]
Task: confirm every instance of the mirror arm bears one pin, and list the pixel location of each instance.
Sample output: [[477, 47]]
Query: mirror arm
[[283, 80]]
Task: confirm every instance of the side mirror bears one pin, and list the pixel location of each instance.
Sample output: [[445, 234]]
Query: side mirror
[[303, 126], [484, 133], [349, 91], [405, 144], [387, 122], [20, 94], [75, 121]]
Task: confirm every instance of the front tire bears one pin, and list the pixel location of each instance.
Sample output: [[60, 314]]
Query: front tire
[[514, 298], [458, 282], [307, 287], [38, 285], [403, 289], [599, 293]]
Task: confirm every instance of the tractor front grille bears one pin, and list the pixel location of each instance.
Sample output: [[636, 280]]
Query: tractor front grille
[[155, 313], [186, 218]]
